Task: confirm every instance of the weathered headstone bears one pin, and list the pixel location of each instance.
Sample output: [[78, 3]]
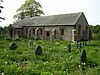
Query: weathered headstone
[[80, 44], [7, 37], [69, 48], [83, 44], [83, 57], [77, 45], [52, 39], [38, 50], [16, 37], [13, 46], [31, 43]]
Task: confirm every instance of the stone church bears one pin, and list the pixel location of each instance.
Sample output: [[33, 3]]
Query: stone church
[[71, 27]]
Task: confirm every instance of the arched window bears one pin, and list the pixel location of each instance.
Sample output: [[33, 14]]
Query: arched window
[[41, 31], [26, 30], [33, 31], [48, 34], [62, 31]]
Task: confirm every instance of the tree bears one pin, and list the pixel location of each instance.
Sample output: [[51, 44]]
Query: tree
[[1, 7], [95, 29], [95, 32], [30, 8]]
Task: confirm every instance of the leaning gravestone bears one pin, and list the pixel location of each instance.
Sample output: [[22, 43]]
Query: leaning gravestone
[[83, 57], [30, 43], [69, 48], [38, 50], [16, 37], [13, 46]]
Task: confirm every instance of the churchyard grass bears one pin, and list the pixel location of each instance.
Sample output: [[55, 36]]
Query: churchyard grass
[[55, 59]]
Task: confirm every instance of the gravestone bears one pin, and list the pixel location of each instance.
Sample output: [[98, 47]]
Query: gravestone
[[7, 37], [83, 44], [13, 46], [69, 48], [80, 44], [83, 57], [38, 50], [30, 43], [16, 37], [52, 39], [77, 45]]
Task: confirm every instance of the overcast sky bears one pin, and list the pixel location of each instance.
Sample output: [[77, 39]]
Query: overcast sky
[[91, 9]]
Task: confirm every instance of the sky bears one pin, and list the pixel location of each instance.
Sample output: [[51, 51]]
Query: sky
[[91, 9]]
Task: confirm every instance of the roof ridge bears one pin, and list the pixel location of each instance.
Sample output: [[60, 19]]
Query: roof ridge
[[58, 14], [64, 19]]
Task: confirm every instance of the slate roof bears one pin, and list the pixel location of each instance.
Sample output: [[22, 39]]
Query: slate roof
[[53, 20]]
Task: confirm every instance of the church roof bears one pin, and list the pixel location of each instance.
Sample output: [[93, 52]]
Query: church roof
[[53, 20]]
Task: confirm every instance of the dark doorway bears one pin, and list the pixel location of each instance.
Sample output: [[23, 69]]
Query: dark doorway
[[48, 34], [75, 36], [62, 31], [11, 32], [41, 31]]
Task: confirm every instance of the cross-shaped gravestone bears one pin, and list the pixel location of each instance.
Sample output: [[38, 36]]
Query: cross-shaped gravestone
[[38, 50], [31, 43], [13, 46], [69, 48], [83, 57]]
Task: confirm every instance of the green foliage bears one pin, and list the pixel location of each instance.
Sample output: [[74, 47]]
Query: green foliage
[[55, 59], [96, 36], [30, 8], [3, 30], [95, 29]]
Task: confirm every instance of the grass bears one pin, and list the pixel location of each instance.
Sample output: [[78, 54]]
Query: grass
[[55, 59]]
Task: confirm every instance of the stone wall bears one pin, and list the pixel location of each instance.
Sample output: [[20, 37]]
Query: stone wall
[[84, 30], [52, 32]]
